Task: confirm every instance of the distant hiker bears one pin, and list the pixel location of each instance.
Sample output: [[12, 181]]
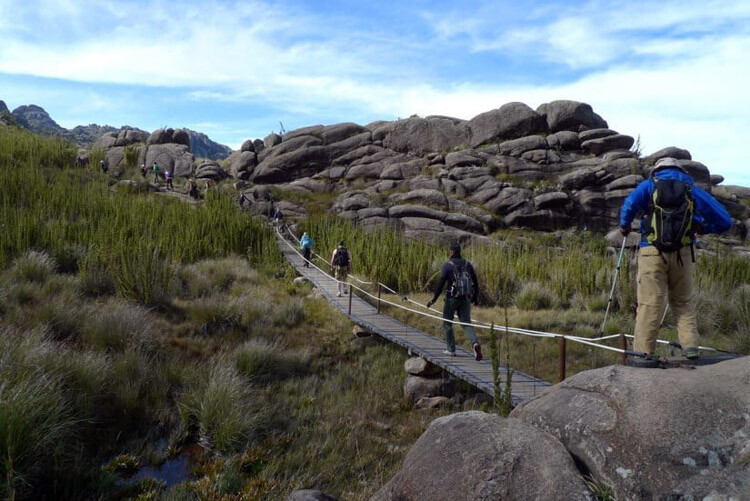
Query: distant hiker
[[104, 164], [156, 170], [242, 199], [277, 217], [192, 188], [144, 170], [306, 244], [462, 289], [168, 176], [341, 261], [674, 210]]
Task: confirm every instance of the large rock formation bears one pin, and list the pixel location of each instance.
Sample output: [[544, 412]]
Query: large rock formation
[[474, 455], [636, 433], [654, 434], [445, 178]]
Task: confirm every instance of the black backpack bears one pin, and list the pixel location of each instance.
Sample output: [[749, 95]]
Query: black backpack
[[463, 285], [672, 211], [342, 257]]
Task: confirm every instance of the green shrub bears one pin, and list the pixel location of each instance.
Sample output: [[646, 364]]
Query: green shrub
[[224, 409], [116, 326], [262, 362], [34, 427], [288, 313], [33, 266], [534, 296], [212, 314]]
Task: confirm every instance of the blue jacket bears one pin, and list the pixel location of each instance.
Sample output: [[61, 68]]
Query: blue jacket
[[306, 242], [709, 213]]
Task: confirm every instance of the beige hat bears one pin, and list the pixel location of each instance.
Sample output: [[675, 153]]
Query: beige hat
[[667, 162]]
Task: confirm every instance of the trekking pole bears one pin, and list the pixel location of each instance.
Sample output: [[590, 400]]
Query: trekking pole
[[664, 315], [614, 284]]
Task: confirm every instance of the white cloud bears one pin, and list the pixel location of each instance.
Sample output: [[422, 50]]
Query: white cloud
[[687, 89]]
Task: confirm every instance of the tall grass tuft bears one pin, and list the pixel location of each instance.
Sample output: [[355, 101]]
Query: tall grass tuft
[[33, 266], [223, 408], [262, 362]]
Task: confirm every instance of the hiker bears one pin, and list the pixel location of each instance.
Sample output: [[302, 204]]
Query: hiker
[[306, 244], [192, 188], [168, 176], [341, 261], [155, 168], [277, 217], [462, 289], [104, 164], [674, 211], [241, 199], [144, 170]]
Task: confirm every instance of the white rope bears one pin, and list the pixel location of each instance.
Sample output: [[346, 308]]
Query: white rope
[[315, 254], [481, 325]]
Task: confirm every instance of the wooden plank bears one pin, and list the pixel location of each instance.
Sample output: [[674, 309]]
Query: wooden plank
[[462, 366]]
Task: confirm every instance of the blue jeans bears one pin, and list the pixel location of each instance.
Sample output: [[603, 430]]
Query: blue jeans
[[463, 307]]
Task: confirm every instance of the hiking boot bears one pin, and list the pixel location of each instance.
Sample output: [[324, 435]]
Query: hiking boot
[[449, 353], [691, 353], [477, 352]]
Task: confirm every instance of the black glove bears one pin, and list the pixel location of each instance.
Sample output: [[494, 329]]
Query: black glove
[[624, 231], [430, 303], [475, 301]]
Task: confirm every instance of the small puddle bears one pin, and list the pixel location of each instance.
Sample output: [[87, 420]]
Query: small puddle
[[172, 471]]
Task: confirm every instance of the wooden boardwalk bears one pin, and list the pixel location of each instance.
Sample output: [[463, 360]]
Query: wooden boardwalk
[[463, 366]]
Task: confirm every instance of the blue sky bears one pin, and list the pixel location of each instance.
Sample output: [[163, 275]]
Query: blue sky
[[674, 72]]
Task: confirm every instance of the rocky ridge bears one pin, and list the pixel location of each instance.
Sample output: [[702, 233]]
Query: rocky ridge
[[556, 167], [36, 119]]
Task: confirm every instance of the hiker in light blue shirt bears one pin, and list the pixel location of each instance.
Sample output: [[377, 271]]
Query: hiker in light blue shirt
[[306, 244]]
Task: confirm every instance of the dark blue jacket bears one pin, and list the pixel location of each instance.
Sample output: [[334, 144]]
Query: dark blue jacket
[[709, 213]]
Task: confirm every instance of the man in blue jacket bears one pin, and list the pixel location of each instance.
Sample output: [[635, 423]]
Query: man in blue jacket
[[673, 210]]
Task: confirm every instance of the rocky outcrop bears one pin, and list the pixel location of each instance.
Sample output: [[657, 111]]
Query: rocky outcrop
[[510, 121], [203, 147], [36, 119], [570, 115], [209, 169], [654, 434], [423, 135], [474, 455], [172, 157]]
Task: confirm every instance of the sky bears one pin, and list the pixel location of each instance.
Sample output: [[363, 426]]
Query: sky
[[672, 73]]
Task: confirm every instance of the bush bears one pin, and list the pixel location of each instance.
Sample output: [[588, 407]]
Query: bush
[[34, 426], [213, 314], [287, 314], [263, 362], [33, 266], [224, 409], [116, 326], [534, 296]]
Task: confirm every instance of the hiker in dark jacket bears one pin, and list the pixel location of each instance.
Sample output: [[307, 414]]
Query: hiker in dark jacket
[[341, 262], [462, 289], [666, 257]]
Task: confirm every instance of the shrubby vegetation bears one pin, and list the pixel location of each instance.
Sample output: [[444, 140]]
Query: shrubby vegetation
[[136, 329]]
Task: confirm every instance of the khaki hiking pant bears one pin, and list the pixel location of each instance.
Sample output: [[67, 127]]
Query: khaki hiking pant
[[662, 278]]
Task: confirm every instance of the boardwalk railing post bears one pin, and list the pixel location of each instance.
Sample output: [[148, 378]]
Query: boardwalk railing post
[[624, 346], [563, 348], [351, 293], [378, 297]]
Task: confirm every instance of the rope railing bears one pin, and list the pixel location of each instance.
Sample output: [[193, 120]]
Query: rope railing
[[515, 330], [563, 338]]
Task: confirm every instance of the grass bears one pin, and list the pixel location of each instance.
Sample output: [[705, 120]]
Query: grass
[[129, 320]]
